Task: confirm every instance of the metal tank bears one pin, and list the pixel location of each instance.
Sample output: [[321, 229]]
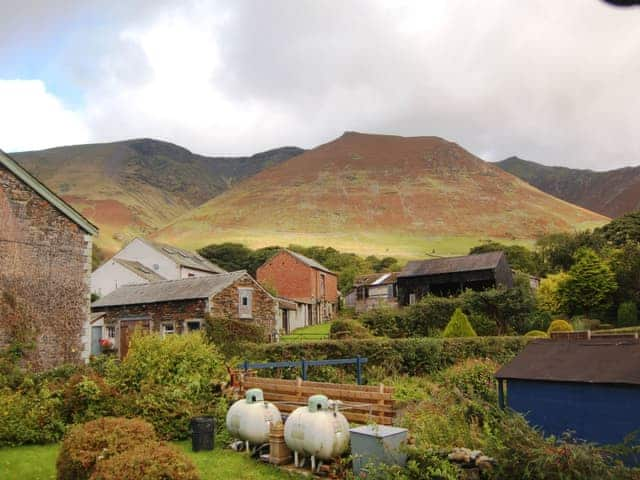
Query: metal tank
[[250, 419], [318, 430]]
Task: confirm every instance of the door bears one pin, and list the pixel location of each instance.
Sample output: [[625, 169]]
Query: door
[[127, 327], [285, 320], [96, 335]]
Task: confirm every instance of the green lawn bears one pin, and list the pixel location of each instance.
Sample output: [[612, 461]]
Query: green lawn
[[38, 462], [305, 334]]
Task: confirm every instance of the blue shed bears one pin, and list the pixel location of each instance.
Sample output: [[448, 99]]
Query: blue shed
[[590, 387]]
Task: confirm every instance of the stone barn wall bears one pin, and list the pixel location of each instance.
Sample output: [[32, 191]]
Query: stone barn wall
[[45, 267]]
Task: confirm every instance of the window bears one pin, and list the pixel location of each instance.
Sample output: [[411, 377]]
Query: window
[[412, 298], [168, 328], [193, 326], [245, 304], [111, 332], [322, 285]]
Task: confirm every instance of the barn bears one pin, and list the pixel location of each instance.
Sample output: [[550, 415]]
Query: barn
[[452, 275], [589, 387]]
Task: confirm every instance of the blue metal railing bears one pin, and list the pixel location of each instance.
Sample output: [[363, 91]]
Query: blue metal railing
[[304, 364]]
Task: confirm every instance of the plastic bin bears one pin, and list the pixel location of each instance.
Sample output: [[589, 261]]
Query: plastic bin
[[375, 444], [203, 431]]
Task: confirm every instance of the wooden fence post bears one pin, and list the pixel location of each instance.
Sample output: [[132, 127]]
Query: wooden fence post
[[358, 370]]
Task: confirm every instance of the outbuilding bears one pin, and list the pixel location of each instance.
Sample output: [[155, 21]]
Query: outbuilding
[[590, 387]]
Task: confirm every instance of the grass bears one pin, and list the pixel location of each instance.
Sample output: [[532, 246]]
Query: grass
[[38, 462], [306, 334]]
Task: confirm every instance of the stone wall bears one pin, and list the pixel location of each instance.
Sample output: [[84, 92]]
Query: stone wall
[[226, 303], [45, 267]]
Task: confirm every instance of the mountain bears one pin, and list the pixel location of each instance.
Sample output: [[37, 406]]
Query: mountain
[[612, 193], [378, 194], [133, 187]]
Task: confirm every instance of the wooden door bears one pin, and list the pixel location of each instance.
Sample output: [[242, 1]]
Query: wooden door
[[127, 327]]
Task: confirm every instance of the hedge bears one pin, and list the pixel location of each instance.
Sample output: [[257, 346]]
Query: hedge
[[411, 356]]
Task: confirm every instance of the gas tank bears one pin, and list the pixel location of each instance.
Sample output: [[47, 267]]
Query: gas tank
[[318, 429], [250, 419]]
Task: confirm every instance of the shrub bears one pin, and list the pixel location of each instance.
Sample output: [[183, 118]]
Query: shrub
[[87, 397], [483, 325], [229, 335], [384, 321], [150, 460], [459, 326], [167, 381], [430, 315], [348, 329], [473, 377], [31, 414], [85, 444], [627, 314], [560, 326], [536, 334]]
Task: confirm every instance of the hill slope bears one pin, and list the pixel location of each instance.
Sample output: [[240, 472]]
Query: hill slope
[[377, 194], [611, 193], [136, 186]]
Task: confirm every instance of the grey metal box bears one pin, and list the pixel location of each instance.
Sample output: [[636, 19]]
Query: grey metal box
[[375, 444]]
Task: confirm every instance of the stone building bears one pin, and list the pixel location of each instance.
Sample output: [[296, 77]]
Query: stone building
[[310, 284], [180, 306], [375, 290], [45, 268]]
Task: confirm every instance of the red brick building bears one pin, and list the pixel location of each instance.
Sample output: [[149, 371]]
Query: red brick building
[[45, 268], [179, 306], [303, 280]]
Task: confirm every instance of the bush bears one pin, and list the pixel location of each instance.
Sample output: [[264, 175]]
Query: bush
[[473, 377], [536, 334], [429, 316], [483, 325], [560, 326], [411, 356], [31, 414], [348, 329], [229, 335], [384, 321], [150, 460], [627, 314], [87, 397], [85, 444], [459, 326], [168, 380]]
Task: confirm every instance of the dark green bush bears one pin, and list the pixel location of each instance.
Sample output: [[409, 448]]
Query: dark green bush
[[148, 461], [85, 444], [411, 356], [230, 336], [627, 314], [430, 315], [384, 321], [346, 329]]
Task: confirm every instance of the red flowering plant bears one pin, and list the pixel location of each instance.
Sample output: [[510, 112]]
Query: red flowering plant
[[106, 344]]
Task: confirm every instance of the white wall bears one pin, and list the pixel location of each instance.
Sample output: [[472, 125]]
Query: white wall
[[139, 251], [111, 275]]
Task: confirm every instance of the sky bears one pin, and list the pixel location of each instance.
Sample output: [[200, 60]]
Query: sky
[[548, 81]]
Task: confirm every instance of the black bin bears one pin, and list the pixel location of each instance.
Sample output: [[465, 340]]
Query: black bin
[[203, 430]]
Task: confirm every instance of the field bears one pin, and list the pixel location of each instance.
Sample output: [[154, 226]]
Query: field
[[37, 462], [308, 334]]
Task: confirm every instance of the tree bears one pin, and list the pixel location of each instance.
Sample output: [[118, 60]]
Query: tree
[[230, 256], [556, 251], [625, 263], [627, 314], [520, 258], [459, 326], [547, 294], [590, 285], [622, 230]]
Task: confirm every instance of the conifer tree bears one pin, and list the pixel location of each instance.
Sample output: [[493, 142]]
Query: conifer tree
[[459, 326]]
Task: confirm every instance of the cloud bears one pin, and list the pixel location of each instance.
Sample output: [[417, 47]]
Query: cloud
[[554, 82], [33, 118]]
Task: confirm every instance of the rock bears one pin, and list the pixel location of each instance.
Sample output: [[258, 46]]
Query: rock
[[485, 463], [460, 455], [475, 454]]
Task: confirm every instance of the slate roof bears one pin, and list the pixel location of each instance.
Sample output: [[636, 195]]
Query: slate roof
[[169, 290], [72, 214], [140, 270], [375, 279], [184, 257], [438, 266], [591, 361], [309, 261]]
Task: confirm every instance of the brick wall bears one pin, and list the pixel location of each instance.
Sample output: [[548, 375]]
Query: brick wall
[[288, 276], [45, 261]]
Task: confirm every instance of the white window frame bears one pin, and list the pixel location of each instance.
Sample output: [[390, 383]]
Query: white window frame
[[164, 326], [245, 311], [108, 329], [412, 299]]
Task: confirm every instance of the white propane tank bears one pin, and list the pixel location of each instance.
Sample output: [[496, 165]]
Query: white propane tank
[[318, 430], [250, 419]]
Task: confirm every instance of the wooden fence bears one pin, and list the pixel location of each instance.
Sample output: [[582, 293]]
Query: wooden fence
[[360, 403]]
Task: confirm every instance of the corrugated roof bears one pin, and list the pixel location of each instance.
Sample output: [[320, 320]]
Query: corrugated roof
[[42, 190], [375, 279], [309, 261], [170, 290], [591, 361], [184, 257], [438, 266], [140, 270]]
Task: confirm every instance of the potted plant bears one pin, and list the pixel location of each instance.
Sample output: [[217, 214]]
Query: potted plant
[[106, 345]]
